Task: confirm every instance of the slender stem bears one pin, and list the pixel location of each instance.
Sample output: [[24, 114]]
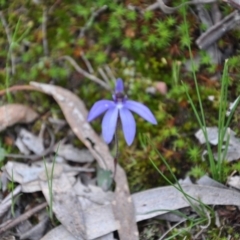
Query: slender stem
[[117, 151]]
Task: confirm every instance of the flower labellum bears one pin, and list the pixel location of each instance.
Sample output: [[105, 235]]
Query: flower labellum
[[123, 108]]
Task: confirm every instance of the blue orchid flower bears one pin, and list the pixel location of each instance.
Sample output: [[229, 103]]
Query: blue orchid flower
[[120, 106]]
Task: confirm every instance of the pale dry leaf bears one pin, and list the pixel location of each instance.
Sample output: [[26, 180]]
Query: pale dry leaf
[[11, 114], [234, 181], [233, 150], [93, 193], [10, 237], [66, 206], [37, 231], [207, 181], [99, 219], [31, 187], [21, 146], [31, 141], [4, 180], [76, 114], [232, 106], [212, 135], [28, 175], [69, 152], [169, 198], [21, 172], [60, 233], [24, 173]]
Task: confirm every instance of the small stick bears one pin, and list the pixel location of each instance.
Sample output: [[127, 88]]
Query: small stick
[[23, 217], [17, 88], [91, 19], [88, 64], [104, 76], [85, 73], [117, 151]]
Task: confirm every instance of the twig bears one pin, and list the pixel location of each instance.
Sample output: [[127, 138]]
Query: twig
[[168, 10], [218, 30], [23, 217], [9, 38], [16, 88], [109, 72], [91, 19], [152, 7], [55, 5], [169, 230], [87, 63], [85, 73], [104, 76], [44, 31]]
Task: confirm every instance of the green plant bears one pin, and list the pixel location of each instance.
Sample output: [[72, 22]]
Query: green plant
[[204, 212], [50, 183], [216, 168]]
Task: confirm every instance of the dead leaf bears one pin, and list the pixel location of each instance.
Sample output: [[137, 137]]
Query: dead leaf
[[65, 205], [233, 150], [93, 193], [11, 114], [234, 181], [69, 152], [207, 181], [31, 141], [28, 175], [21, 146], [60, 233], [76, 114], [37, 231], [99, 219], [169, 198]]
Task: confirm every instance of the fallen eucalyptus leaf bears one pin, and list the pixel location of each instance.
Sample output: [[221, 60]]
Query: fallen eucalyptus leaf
[[207, 181], [233, 150], [66, 206], [93, 193], [11, 114], [234, 181], [99, 219], [69, 152], [21, 146], [36, 232], [60, 233], [32, 142]]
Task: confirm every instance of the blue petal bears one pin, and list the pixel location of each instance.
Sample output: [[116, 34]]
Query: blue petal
[[128, 125], [119, 85], [98, 108], [141, 110], [109, 124]]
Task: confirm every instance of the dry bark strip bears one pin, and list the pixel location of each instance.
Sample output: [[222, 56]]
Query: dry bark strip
[[76, 113]]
